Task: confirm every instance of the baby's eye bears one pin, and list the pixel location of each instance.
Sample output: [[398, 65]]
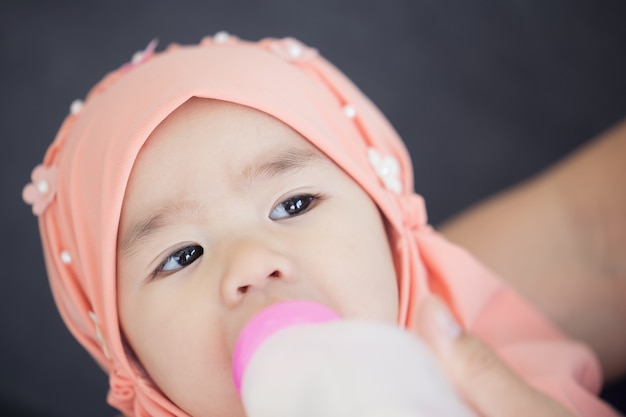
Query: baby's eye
[[180, 259], [293, 206]]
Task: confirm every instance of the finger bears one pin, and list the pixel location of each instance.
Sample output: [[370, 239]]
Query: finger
[[482, 379]]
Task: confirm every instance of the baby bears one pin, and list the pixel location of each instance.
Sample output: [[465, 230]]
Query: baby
[[196, 186]]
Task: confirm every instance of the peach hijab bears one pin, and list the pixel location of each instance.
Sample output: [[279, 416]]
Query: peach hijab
[[78, 191]]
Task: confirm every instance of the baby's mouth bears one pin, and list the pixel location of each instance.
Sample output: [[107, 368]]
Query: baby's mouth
[[271, 320], [250, 314]]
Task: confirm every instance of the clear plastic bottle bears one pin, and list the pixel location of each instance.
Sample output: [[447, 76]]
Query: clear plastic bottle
[[299, 359]]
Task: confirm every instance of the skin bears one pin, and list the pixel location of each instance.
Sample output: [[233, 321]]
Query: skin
[[229, 240]]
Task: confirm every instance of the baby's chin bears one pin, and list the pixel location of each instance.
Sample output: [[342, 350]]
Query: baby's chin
[[212, 394]]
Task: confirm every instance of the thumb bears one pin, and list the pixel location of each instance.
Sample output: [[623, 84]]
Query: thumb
[[478, 374]]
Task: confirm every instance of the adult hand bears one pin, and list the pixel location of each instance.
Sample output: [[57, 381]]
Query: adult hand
[[485, 382], [570, 220]]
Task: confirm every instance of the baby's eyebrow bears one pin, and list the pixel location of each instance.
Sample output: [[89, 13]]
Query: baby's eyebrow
[[147, 226], [284, 162]]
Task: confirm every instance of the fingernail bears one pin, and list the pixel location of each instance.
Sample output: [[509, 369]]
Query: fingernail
[[446, 324]]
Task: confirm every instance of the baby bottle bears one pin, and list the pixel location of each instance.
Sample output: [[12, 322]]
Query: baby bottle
[[300, 359]]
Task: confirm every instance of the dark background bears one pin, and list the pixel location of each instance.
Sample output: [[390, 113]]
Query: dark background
[[485, 93]]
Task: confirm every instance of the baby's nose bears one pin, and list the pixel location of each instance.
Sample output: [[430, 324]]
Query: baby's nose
[[252, 266]]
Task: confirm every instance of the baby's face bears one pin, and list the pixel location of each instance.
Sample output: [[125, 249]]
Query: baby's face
[[227, 211]]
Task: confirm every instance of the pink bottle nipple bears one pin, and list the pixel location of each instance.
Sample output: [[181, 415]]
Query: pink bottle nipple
[[270, 320]]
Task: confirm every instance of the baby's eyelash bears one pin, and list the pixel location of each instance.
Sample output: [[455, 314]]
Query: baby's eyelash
[[294, 206], [178, 259]]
